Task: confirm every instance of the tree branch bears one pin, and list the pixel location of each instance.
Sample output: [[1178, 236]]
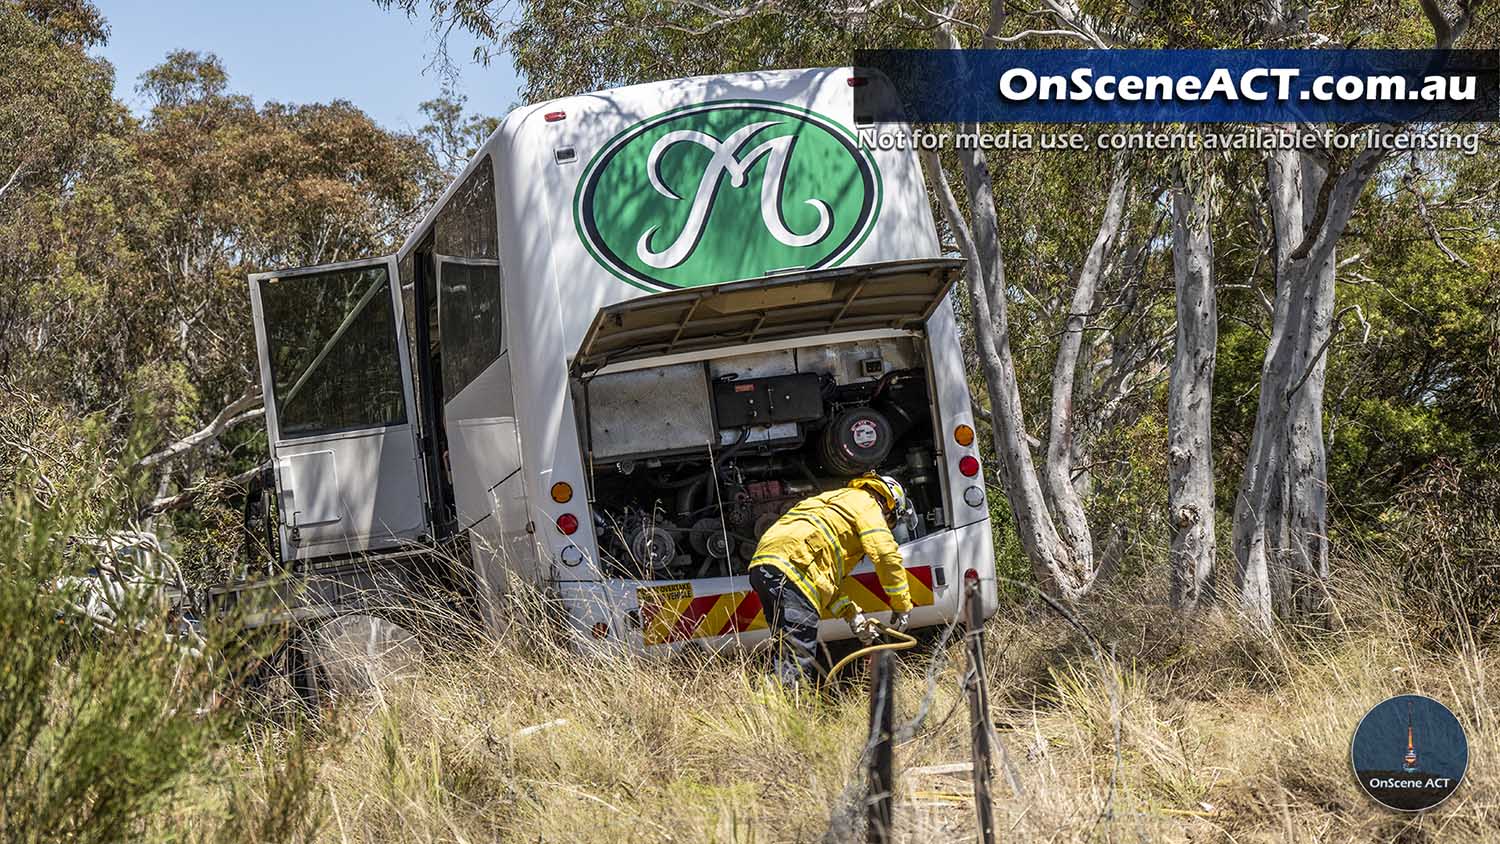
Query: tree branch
[[11, 182], [1408, 182], [1338, 327], [1069, 15], [1067, 504], [1065, 33], [1336, 202], [1445, 32], [236, 412], [997, 23]]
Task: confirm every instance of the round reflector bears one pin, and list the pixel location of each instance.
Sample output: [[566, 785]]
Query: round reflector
[[562, 492], [969, 465], [974, 496], [963, 435], [567, 523]]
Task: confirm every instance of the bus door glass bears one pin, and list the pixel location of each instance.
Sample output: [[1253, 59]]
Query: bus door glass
[[478, 407]]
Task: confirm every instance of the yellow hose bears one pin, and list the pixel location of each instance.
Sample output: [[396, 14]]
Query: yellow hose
[[903, 642]]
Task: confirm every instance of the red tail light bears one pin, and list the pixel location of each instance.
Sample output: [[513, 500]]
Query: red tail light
[[858, 81], [568, 524], [969, 465], [970, 575], [554, 116]]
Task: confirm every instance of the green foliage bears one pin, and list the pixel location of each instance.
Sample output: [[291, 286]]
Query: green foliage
[[454, 136], [124, 244], [1421, 387], [97, 727], [185, 77], [107, 726], [274, 799]]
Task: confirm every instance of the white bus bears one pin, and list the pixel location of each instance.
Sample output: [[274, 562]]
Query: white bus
[[640, 325]]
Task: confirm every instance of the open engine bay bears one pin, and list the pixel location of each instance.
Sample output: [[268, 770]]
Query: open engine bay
[[690, 463]]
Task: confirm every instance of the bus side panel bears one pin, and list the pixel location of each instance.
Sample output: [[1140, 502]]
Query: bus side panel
[[535, 316], [503, 549]]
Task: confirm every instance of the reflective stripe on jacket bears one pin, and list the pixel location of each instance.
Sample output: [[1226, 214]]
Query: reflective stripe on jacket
[[819, 541]]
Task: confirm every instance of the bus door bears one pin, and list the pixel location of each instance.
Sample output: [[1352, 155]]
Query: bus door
[[339, 408]]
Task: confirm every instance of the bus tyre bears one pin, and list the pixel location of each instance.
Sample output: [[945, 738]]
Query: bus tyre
[[354, 654]]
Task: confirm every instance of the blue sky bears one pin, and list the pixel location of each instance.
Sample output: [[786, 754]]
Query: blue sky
[[308, 51]]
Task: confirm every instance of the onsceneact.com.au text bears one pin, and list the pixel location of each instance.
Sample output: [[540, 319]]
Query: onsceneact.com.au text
[[1256, 84]]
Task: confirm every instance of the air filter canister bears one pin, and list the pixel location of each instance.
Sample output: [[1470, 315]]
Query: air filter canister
[[856, 441]]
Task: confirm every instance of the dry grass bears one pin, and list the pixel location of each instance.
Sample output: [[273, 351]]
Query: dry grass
[[1221, 738]]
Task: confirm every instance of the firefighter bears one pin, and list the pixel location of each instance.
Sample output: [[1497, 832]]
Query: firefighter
[[802, 560]]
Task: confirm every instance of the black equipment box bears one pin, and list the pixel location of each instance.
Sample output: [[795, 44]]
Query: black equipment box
[[768, 401]]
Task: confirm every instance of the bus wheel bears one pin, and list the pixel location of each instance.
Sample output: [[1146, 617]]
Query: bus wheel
[[354, 654]]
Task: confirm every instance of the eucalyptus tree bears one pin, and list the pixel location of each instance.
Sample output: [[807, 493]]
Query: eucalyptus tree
[[124, 242], [63, 146], [1190, 467], [1281, 511]]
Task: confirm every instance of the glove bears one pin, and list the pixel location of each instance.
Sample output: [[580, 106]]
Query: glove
[[864, 627], [900, 620]]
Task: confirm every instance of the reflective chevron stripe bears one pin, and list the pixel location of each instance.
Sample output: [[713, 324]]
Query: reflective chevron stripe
[[669, 619]]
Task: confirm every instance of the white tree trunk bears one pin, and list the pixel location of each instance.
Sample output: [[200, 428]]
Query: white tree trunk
[[1256, 519], [979, 238], [1281, 512], [1281, 517], [1305, 548], [981, 247], [1190, 470], [1067, 504], [1064, 562]]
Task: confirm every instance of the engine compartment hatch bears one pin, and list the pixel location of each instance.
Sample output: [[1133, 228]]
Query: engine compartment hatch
[[783, 306]]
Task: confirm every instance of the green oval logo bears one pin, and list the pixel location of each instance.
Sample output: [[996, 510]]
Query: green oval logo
[[726, 191]]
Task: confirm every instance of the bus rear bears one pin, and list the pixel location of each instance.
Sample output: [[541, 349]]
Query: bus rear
[[751, 307]]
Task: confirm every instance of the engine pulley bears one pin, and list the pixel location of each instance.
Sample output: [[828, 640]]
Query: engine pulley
[[653, 546]]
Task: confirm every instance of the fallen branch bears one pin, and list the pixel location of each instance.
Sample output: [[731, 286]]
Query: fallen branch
[[537, 728]]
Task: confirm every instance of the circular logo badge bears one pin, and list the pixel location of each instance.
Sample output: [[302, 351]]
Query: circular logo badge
[[864, 433], [1409, 753], [724, 191]]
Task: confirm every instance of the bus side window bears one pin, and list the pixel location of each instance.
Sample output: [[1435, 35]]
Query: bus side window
[[469, 285], [469, 300], [465, 227]]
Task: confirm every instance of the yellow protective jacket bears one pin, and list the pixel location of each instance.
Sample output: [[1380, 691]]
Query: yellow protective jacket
[[819, 541]]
